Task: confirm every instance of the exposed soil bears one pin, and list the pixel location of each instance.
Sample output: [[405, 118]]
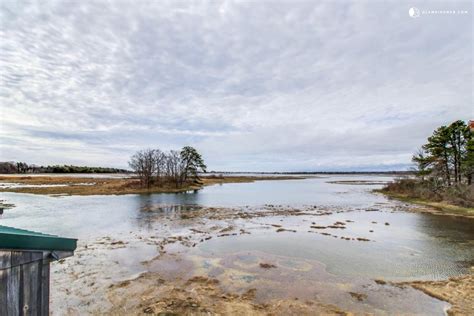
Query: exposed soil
[[267, 265], [358, 296], [200, 295], [172, 284], [458, 291]]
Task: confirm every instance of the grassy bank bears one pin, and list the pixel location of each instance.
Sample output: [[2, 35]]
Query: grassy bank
[[440, 207], [455, 200], [458, 291], [106, 186]]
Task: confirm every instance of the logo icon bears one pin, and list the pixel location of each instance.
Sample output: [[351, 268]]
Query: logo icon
[[414, 12]]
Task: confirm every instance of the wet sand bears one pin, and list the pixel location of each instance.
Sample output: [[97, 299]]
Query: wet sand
[[458, 291], [201, 295], [176, 276]]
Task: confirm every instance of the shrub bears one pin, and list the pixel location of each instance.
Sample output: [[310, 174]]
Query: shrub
[[459, 194]]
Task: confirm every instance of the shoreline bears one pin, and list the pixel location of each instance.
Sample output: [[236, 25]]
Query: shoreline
[[179, 279], [202, 293], [67, 185], [436, 208], [165, 285], [449, 290]]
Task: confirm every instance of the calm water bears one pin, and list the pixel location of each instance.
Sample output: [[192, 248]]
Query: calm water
[[413, 246]]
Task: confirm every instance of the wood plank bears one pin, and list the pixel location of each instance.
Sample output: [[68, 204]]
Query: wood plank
[[24, 257], [3, 291], [13, 289], [5, 259], [46, 255], [45, 274], [31, 285], [36, 255], [20, 257], [24, 287]]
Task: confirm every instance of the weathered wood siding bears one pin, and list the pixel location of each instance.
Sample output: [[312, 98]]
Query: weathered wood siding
[[24, 283]]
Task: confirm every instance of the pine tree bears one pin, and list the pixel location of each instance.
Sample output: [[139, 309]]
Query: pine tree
[[193, 163]]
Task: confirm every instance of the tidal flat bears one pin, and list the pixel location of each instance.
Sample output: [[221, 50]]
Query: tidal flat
[[299, 246]]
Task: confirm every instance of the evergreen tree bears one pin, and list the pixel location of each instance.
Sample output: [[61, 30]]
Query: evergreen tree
[[467, 162], [448, 155], [193, 163]]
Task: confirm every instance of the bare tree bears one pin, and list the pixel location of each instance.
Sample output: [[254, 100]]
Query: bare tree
[[143, 164], [176, 167], [160, 165]]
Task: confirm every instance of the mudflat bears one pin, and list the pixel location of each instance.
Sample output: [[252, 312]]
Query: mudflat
[[281, 247], [185, 278]]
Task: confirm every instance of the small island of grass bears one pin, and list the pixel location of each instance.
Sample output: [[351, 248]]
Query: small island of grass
[[154, 171]]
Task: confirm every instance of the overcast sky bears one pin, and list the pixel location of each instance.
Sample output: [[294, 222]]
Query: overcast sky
[[255, 85]]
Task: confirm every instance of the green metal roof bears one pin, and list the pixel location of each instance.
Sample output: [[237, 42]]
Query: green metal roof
[[14, 238]]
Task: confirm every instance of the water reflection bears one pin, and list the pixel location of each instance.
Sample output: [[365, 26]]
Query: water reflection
[[290, 192], [149, 213], [411, 246], [446, 227], [414, 245]]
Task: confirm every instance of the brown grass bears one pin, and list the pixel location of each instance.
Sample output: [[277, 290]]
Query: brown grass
[[458, 291], [455, 200], [456, 194], [441, 208], [106, 186]]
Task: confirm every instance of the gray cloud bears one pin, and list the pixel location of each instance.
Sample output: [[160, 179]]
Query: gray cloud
[[254, 85]]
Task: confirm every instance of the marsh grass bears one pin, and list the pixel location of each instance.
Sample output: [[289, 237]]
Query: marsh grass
[[114, 186], [456, 199]]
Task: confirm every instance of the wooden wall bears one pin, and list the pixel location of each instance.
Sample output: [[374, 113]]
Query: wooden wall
[[24, 283]]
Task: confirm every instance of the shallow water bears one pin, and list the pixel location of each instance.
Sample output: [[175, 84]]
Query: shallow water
[[78, 216], [7, 185], [412, 245], [68, 175]]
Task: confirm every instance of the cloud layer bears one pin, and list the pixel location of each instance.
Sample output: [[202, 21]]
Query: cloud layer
[[270, 86]]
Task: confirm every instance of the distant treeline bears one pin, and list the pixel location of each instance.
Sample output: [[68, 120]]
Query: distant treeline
[[317, 172], [11, 167]]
